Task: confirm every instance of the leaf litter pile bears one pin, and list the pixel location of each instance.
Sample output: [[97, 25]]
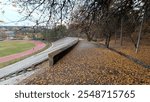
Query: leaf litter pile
[[89, 63]]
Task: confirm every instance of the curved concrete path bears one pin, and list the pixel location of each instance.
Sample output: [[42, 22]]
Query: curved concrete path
[[38, 46], [35, 59]]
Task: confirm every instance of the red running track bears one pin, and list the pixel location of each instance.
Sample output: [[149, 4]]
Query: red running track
[[38, 46]]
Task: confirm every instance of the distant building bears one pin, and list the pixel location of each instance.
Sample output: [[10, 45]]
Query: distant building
[[1, 39], [26, 38], [38, 36], [2, 35], [10, 35]]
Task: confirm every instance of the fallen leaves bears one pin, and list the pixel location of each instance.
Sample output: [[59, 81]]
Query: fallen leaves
[[91, 64], [143, 53]]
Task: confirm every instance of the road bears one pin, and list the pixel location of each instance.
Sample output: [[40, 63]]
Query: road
[[37, 58]]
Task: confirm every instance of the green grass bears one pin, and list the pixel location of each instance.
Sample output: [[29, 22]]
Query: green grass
[[19, 59], [9, 62], [13, 47]]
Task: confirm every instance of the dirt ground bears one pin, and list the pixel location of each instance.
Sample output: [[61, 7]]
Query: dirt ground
[[89, 63]]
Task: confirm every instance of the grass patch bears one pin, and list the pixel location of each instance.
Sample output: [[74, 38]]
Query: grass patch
[[19, 59], [10, 62], [13, 47]]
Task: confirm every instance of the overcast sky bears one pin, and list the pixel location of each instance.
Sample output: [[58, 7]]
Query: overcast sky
[[10, 16]]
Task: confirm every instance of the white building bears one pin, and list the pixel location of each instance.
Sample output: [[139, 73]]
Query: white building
[[10, 35]]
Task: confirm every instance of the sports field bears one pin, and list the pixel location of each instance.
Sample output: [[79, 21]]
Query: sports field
[[13, 47], [16, 50]]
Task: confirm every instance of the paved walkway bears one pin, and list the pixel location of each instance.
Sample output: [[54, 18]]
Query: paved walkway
[[34, 59], [38, 46]]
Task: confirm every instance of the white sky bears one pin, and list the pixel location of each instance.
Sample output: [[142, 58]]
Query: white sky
[[10, 15]]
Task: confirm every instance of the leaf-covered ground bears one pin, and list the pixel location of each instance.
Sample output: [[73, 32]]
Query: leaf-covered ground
[[89, 63], [129, 49]]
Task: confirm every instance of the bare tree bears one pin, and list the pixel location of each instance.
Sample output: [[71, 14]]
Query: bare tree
[[89, 13]]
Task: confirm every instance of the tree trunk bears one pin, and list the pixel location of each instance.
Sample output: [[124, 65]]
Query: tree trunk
[[121, 23], [88, 37], [115, 36], [139, 36], [107, 41], [132, 40], [121, 35]]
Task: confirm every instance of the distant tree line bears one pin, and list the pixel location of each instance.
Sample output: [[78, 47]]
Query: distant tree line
[[54, 33]]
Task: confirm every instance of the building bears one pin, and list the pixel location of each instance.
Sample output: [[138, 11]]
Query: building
[[10, 35]]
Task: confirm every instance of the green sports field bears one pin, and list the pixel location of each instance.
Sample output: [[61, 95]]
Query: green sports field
[[13, 47]]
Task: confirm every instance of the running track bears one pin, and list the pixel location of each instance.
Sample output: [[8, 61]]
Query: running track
[[38, 46]]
